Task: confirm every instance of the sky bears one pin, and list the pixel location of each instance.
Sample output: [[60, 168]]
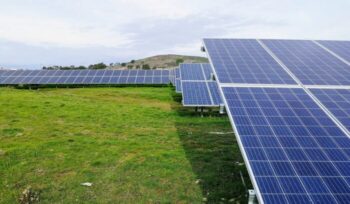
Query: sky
[[36, 33]]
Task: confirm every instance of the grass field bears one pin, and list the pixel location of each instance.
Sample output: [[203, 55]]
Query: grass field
[[136, 145]]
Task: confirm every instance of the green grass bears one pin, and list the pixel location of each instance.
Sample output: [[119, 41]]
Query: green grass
[[136, 145]]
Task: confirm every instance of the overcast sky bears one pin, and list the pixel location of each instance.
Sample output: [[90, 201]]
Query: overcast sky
[[34, 33]]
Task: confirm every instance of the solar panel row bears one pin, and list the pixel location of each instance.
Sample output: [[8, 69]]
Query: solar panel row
[[85, 77]]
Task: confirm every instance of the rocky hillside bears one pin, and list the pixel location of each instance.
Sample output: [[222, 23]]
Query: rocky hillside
[[160, 61]]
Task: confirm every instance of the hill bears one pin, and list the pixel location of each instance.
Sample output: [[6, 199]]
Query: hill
[[161, 61]]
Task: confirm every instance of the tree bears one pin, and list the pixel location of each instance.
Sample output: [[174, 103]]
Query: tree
[[179, 61], [132, 61], [123, 64], [138, 66], [81, 67], [146, 66], [130, 66], [98, 66]]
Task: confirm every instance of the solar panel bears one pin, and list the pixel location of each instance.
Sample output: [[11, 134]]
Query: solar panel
[[177, 73], [201, 94], [310, 63], [85, 76], [208, 71], [172, 76], [191, 72], [341, 48], [337, 101], [294, 151], [178, 86], [196, 94], [196, 71], [244, 61], [214, 92]]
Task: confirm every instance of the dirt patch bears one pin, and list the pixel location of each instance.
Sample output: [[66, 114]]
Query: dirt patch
[[2, 152], [29, 196]]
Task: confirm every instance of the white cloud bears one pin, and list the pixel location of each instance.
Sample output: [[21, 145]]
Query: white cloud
[[46, 32], [133, 28]]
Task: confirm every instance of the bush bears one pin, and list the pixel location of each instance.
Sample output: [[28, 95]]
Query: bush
[[98, 66], [179, 61], [146, 66]]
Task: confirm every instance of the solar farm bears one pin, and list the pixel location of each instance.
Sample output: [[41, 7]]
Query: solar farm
[[287, 102]]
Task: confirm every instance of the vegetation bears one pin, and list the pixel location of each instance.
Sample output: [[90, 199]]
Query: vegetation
[[98, 66], [72, 67], [135, 145], [146, 66], [64, 67], [179, 61]]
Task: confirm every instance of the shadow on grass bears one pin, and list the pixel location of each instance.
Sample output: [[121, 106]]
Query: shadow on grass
[[215, 158]]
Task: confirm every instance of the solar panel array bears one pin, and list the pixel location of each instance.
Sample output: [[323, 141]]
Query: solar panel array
[[9, 77], [198, 89], [289, 104]]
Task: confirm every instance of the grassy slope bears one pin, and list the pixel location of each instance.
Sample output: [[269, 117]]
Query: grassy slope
[[133, 144], [166, 61]]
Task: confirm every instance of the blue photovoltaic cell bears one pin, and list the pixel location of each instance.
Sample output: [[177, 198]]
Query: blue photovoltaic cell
[[341, 48], [214, 91], [244, 61], [157, 80], [132, 72], [337, 101], [124, 73], [191, 72], [157, 73], [310, 63], [207, 71], [148, 80], [177, 73], [178, 85], [172, 76], [296, 153], [195, 94]]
